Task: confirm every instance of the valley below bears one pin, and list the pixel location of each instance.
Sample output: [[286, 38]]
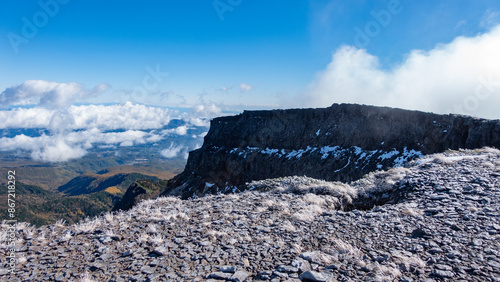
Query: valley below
[[76, 190]]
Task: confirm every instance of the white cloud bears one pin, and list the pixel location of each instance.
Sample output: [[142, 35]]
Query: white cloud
[[224, 88], [245, 87], [26, 118], [44, 148], [172, 151], [201, 114], [127, 138], [61, 121], [490, 18], [22, 142], [64, 146], [181, 130], [58, 151], [125, 116], [78, 129], [206, 110], [460, 77], [48, 94]]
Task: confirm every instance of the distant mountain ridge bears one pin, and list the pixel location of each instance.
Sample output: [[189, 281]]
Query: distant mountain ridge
[[90, 183], [86, 195], [339, 143], [139, 190]]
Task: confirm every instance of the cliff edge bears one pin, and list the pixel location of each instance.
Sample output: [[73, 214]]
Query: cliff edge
[[339, 143]]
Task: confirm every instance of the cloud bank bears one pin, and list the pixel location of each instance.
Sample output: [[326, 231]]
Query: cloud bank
[[173, 151], [73, 145], [111, 117], [72, 132], [460, 77], [48, 94]]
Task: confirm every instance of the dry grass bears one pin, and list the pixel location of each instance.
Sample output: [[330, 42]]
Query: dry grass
[[314, 199], [380, 181], [167, 200], [143, 237], [409, 210], [269, 202], [157, 239], [232, 240], [386, 273], [86, 277], [473, 209], [345, 248], [109, 217], [217, 234], [296, 248], [343, 192], [88, 225], [320, 257], [233, 197], [152, 228], [488, 165], [308, 213], [261, 209], [67, 236], [441, 159], [288, 226], [489, 150], [408, 262]]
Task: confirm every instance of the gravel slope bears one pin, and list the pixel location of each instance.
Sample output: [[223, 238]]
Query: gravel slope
[[437, 219]]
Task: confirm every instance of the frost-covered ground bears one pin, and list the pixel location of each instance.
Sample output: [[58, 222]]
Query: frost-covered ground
[[438, 218]]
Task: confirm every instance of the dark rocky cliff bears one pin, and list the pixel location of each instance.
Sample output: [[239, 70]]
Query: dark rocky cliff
[[142, 189], [342, 142]]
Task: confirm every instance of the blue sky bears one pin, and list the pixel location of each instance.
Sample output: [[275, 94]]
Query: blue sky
[[247, 52], [88, 74]]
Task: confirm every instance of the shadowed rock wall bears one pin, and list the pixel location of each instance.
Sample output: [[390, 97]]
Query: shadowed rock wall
[[342, 142]]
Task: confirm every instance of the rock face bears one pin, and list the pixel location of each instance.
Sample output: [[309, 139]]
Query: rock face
[[342, 142], [142, 189]]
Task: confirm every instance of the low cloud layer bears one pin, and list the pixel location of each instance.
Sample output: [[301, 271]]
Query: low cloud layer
[[72, 132], [460, 77], [44, 148], [112, 117], [72, 145], [173, 151], [48, 94]]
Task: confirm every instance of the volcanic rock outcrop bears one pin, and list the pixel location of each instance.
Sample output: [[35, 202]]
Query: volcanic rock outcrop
[[142, 189], [339, 143]]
